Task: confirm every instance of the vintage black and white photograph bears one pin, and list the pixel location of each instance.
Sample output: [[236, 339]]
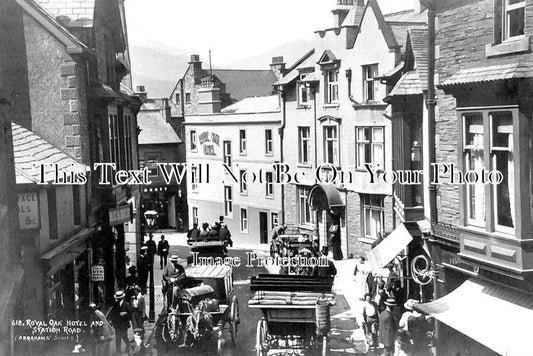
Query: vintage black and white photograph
[[269, 178]]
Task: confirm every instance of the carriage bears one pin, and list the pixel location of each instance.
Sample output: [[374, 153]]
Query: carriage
[[294, 244], [295, 311], [205, 312]]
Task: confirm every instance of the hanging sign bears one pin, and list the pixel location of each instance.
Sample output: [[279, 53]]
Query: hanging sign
[[28, 210]]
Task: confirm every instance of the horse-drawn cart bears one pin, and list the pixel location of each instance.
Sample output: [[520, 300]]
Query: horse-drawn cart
[[295, 313], [203, 311]]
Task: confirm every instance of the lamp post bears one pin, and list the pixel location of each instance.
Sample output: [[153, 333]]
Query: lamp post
[[150, 217]]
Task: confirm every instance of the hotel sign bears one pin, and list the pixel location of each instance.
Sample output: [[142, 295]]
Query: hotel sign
[[28, 204], [120, 215]]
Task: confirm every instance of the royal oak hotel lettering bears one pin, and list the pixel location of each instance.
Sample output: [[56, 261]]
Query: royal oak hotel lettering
[[205, 139], [28, 211]]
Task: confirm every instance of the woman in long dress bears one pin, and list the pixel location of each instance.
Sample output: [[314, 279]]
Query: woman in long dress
[[361, 275]]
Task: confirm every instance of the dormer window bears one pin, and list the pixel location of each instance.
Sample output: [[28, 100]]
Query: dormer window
[[330, 66], [513, 18], [303, 91]]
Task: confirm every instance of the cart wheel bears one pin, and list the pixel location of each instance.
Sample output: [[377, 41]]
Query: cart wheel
[[262, 331], [233, 332], [325, 347]]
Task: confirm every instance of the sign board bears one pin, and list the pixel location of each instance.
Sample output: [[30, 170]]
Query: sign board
[[28, 210], [97, 273], [120, 215]]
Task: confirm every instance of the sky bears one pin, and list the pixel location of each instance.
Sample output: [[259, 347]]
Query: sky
[[231, 29]]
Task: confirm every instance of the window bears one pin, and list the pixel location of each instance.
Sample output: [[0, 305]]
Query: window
[[242, 142], [194, 178], [194, 215], [127, 142], [269, 184], [495, 129], [177, 98], [187, 98], [373, 215], [228, 201], [370, 72], [243, 186], [152, 160], [274, 219], [331, 145], [332, 86], [304, 144], [114, 144], [369, 143], [120, 144], [226, 145], [244, 220], [76, 204], [194, 144], [513, 18], [268, 142], [303, 91], [304, 210]]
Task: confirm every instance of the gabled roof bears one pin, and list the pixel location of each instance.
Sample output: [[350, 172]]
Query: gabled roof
[[30, 149], [305, 62], [47, 20], [327, 57], [409, 84], [354, 16], [155, 130], [418, 40], [74, 13], [241, 83], [388, 35], [255, 104]]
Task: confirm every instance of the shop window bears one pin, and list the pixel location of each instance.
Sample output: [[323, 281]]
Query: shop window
[[268, 142], [226, 148], [370, 72], [304, 145], [369, 143], [228, 201], [244, 220], [373, 215]]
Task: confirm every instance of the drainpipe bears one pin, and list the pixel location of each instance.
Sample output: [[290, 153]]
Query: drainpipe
[[281, 132]]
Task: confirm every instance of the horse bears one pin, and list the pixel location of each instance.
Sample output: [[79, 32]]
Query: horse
[[200, 322]]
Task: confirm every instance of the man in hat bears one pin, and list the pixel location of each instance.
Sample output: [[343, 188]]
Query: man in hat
[[173, 274], [100, 330], [162, 251], [193, 234], [144, 268], [120, 316], [388, 327], [152, 248], [225, 235]]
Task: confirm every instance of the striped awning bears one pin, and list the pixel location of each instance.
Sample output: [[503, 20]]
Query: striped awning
[[389, 248]]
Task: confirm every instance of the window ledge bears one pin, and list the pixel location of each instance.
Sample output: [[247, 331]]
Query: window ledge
[[304, 165], [367, 240], [332, 105], [303, 106], [508, 47], [270, 197]]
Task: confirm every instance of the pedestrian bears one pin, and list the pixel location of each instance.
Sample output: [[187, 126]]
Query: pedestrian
[[138, 314], [143, 269], [225, 235], [213, 232], [194, 233], [173, 274], [325, 272], [100, 331], [362, 274], [277, 231], [334, 238], [131, 280], [162, 251], [152, 248], [120, 318], [371, 321], [204, 233], [138, 346], [404, 343], [381, 296], [388, 328]]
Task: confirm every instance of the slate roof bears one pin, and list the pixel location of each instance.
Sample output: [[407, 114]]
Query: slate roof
[[74, 13], [354, 16], [254, 105], [30, 149], [491, 72], [409, 84], [306, 61], [406, 16], [155, 130], [419, 44], [241, 83]]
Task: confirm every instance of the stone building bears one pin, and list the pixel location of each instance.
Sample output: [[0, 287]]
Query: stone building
[[335, 112], [243, 136], [480, 236], [75, 58]]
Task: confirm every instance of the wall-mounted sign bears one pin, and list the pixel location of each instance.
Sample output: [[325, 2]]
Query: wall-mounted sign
[[97, 273], [28, 210], [208, 140], [120, 215]]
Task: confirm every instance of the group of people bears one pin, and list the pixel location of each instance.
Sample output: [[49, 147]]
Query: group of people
[[217, 231], [386, 318]]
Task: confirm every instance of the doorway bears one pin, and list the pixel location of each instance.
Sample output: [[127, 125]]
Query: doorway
[[263, 227]]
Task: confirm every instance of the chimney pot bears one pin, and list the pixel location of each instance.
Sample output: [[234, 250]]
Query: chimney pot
[[195, 58], [278, 59], [140, 89]]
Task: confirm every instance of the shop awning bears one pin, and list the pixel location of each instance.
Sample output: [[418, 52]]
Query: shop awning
[[498, 317], [389, 248], [67, 251], [325, 197]]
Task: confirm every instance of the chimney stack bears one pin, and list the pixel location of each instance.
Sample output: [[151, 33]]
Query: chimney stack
[[165, 109], [278, 66], [196, 66], [141, 93], [341, 11]]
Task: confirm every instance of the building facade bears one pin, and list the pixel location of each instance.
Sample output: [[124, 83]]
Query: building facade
[[334, 110], [230, 168]]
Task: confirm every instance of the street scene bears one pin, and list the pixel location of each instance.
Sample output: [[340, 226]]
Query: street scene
[[241, 177]]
